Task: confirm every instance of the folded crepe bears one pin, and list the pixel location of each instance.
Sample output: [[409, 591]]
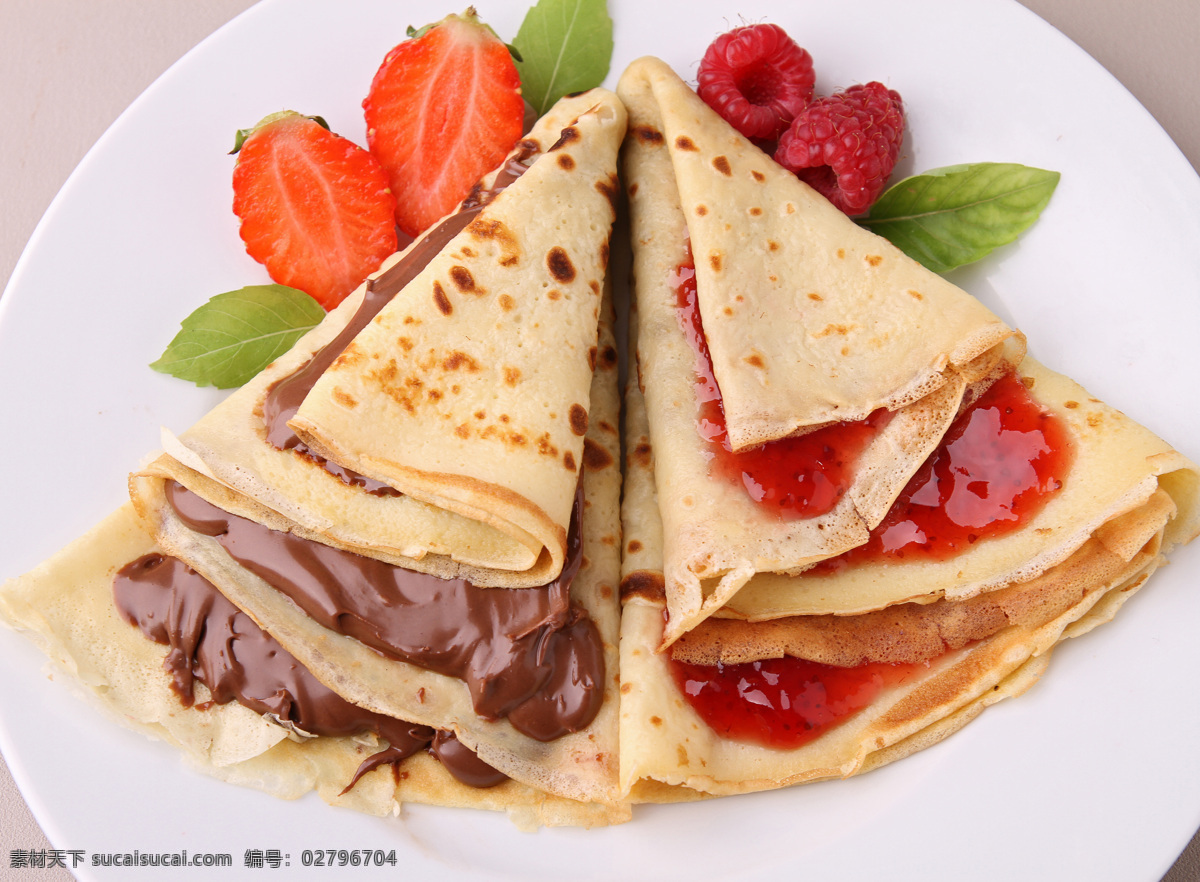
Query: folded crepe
[[670, 752], [443, 406], [526, 678], [449, 556], [766, 317], [66, 607], [932, 642]]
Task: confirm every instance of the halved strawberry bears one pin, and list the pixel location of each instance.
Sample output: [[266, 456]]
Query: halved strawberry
[[315, 208], [444, 109]]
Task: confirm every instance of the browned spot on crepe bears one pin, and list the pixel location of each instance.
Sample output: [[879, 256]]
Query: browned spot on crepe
[[609, 188], [649, 136], [462, 278], [642, 454], [578, 418], [595, 456], [441, 300], [648, 584], [460, 361], [559, 264], [569, 136], [838, 329]]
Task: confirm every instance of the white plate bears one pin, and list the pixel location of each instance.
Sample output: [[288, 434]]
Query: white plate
[[1094, 774]]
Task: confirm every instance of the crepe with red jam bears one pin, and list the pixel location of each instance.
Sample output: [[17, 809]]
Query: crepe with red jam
[[797, 369], [1050, 510]]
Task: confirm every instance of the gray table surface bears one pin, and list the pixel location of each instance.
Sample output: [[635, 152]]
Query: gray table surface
[[69, 67]]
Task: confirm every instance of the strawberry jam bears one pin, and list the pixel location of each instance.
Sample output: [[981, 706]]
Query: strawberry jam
[[798, 477], [997, 466], [782, 702]]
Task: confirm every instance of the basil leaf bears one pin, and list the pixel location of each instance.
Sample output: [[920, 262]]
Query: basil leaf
[[955, 215], [235, 335], [565, 46]]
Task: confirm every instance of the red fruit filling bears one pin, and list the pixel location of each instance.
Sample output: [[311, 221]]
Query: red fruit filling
[[999, 464], [782, 702], [799, 477]]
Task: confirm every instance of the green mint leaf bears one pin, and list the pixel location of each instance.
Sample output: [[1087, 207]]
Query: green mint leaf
[[955, 215], [235, 335], [565, 46]]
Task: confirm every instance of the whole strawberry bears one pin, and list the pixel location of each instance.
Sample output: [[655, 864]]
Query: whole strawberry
[[315, 208], [846, 145], [444, 109], [757, 79]]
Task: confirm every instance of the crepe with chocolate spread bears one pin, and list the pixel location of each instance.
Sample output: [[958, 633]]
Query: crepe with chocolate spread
[[524, 677], [444, 404], [942, 646], [403, 600], [291, 738], [765, 315]]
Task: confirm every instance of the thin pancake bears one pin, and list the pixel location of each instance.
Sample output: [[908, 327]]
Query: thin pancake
[[65, 606], [715, 537], [581, 765], [1118, 466], [498, 536], [664, 740], [810, 319], [907, 633], [476, 377]]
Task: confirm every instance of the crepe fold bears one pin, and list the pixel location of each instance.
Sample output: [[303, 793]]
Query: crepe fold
[[455, 418], [969, 647], [809, 318], [665, 742], [580, 765], [1123, 483], [65, 607], [402, 480], [778, 272]]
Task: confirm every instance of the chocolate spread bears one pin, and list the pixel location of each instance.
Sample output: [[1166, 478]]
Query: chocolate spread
[[285, 395], [212, 641], [528, 654]]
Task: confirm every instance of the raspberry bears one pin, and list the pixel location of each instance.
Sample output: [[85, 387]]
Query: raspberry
[[757, 79], [845, 146]]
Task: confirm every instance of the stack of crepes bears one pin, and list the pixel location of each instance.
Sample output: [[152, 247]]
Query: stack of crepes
[[855, 513], [398, 545]]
